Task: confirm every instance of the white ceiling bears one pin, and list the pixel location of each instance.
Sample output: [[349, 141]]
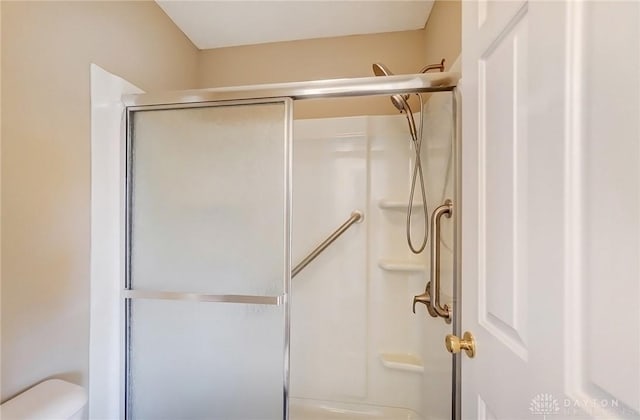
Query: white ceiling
[[215, 24]]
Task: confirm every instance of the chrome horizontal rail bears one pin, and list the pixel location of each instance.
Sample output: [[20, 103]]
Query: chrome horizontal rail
[[200, 297], [313, 89], [356, 217]]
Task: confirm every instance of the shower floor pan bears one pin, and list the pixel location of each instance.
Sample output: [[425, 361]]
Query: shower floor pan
[[307, 409]]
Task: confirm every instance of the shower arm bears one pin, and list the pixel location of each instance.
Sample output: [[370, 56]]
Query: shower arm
[[407, 108], [433, 67]]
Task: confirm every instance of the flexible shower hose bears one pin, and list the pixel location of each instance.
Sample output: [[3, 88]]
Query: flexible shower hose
[[418, 173]]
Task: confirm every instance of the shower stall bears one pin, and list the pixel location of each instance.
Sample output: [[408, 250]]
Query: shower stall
[[268, 273]]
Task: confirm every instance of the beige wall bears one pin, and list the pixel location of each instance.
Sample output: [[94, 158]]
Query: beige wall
[[0, 202], [46, 52], [326, 58], [45, 157], [443, 32]]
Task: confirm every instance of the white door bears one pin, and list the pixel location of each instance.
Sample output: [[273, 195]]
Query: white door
[[551, 209]]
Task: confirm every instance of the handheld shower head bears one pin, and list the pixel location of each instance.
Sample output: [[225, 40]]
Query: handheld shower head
[[399, 101], [402, 104], [380, 69]]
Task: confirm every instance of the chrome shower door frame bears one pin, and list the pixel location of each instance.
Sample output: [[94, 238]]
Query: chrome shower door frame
[[128, 294], [289, 93]]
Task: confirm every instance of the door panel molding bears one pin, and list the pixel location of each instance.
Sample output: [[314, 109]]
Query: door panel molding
[[502, 186], [557, 207]]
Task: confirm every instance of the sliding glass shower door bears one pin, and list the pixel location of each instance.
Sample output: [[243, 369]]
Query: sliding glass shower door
[[208, 261]]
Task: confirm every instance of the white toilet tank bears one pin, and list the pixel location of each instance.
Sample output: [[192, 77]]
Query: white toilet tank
[[51, 399]]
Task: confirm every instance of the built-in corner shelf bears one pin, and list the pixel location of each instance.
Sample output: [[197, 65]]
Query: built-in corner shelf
[[402, 266], [402, 361], [399, 205]]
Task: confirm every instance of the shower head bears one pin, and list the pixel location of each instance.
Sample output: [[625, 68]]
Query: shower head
[[399, 101], [380, 69]]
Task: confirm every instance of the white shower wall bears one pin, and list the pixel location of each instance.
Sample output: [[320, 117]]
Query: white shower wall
[[329, 301], [351, 308]]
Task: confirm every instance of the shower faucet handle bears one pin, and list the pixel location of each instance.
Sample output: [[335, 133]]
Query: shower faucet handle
[[424, 298]]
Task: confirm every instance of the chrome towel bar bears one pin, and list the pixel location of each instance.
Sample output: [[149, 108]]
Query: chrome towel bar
[[356, 217]]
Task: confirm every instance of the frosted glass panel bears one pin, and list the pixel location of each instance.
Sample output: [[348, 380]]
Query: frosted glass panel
[[206, 361], [208, 200], [207, 216]]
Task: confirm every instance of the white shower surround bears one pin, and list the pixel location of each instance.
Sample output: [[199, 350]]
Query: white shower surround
[[107, 132], [347, 311]]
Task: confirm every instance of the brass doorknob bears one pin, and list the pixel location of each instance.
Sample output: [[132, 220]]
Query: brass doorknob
[[467, 343]]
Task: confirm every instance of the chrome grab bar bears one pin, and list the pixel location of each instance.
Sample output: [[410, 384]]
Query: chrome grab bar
[[444, 210], [356, 217]]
